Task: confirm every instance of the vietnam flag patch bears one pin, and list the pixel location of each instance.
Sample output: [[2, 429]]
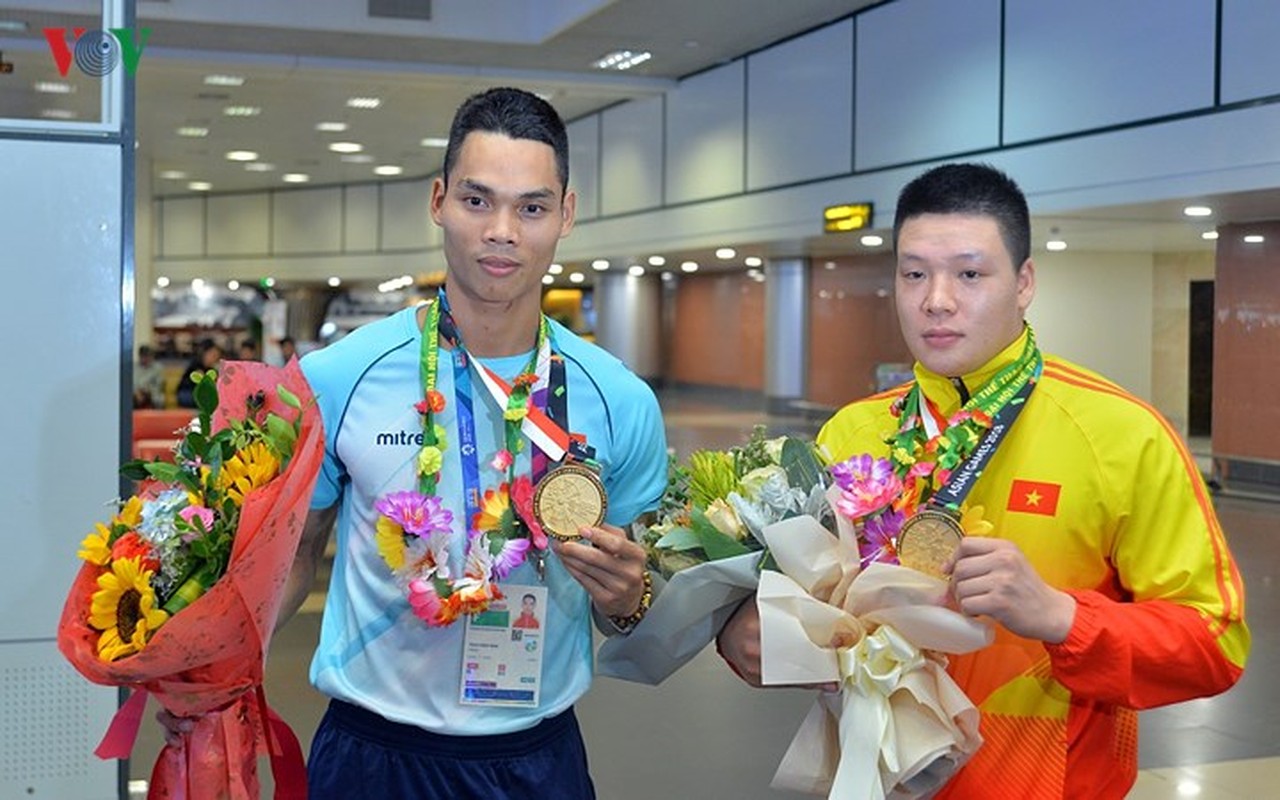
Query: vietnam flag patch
[[1034, 497]]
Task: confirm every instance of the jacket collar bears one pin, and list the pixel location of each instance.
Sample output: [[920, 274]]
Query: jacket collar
[[944, 393]]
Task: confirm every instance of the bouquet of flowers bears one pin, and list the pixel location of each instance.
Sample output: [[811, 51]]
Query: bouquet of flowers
[[180, 589], [708, 546]]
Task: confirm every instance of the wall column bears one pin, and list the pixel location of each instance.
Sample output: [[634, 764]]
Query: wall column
[[786, 355], [629, 320]]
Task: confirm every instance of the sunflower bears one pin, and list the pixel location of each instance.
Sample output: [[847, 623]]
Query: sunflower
[[96, 548], [248, 469], [124, 609], [130, 514]]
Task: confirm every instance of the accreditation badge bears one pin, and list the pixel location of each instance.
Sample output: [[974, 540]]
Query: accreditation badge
[[567, 498], [928, 541], [502, 650]]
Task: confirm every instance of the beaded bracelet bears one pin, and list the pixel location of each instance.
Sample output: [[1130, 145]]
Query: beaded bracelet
[[625, 624]]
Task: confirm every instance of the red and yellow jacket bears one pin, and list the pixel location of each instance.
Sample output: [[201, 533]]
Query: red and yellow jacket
[[1107, 504]]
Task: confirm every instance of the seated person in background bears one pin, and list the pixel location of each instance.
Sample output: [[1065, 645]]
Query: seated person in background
[[148, 380], [207, 357]]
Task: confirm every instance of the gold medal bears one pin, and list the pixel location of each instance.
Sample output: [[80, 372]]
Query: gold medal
[[567, 498], [928, 541]]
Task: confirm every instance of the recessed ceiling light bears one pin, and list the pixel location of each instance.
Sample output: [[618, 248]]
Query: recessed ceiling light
[[233, 285], [635, 270], [726, 253], [1197, 211], [199, 186], [193, 132], [1254, 238], [388, 169], [871, 240], [577, 277], [346, 147], [54, 87], [173, 174], [657, 261], [753, 261], [364, 102], [58, 113], [547, 280], [1055, 245], [331, 127], [335, 281], [242, 155], [434, 141], [295, 177], [622, 59], [260, 166], [689, 266], [242, 111], [357, 158], [223, 80], [162, 281], [1209, 235], [555, 269], [600, 264]]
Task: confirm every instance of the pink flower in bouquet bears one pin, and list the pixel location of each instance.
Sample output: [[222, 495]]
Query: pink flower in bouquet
[[522, 497], [192, 513], [416, 513], [866, 484], [426, 603]]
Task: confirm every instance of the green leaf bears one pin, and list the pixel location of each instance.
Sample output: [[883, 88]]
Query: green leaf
[[135, 470], [164, 471], [678, 539], [716, 544], [804, 471], [289, 398]]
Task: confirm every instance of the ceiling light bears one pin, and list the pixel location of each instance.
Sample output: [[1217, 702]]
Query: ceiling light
[[547, 280], [331, 127], [753, 261], [1209, 236], [193, 132], [1197, 211], [577, 277], [260, 166], [434, 141], [726, 253], [388, 169], [555, 269], [1254, 238], [335, 281], [12, 25], [173, 174], [668, 276], [54, 87], [223, 80], [364, 102], [622, 59], [242, 111], [233, 285], [162, 281], [346, 147], [689, 266], [199, 186], [1056, 245], [58, 113], [656, 261], [600, 264], [357, 158], [295, 177], [871, 240], [242, 155], [635, 270], [829, 265]]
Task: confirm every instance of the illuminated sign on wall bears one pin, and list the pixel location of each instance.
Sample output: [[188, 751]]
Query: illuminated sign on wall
[[847, 217]]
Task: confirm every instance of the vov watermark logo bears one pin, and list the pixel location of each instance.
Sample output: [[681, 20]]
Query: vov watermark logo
[[97, 52]]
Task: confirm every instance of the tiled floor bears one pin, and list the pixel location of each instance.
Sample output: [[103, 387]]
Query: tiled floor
[[703, 735]]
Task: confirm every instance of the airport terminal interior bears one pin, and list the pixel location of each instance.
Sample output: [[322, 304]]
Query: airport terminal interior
[[255, 178]]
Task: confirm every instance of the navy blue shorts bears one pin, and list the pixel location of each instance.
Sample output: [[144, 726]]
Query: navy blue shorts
[[356, 754]]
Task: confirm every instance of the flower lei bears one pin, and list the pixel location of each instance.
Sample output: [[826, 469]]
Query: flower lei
[[414, 531], [880, 494]]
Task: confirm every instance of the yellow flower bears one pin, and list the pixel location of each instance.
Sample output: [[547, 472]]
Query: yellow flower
[[495, 504], [441, 441], [516, 414], [250, 468], [130, 515], [430, 459], [973, 523], [901, 456], [94, 548], [389, 538], [124, 609]]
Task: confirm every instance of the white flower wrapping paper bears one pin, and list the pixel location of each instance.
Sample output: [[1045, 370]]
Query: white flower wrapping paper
[[899, 726]]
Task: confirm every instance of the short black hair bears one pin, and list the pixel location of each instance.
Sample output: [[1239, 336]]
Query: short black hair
[[977, 189], [529, 597], [514, 113]]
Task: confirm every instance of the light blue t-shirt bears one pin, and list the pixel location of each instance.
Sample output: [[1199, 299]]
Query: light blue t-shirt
[[373, 651]]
